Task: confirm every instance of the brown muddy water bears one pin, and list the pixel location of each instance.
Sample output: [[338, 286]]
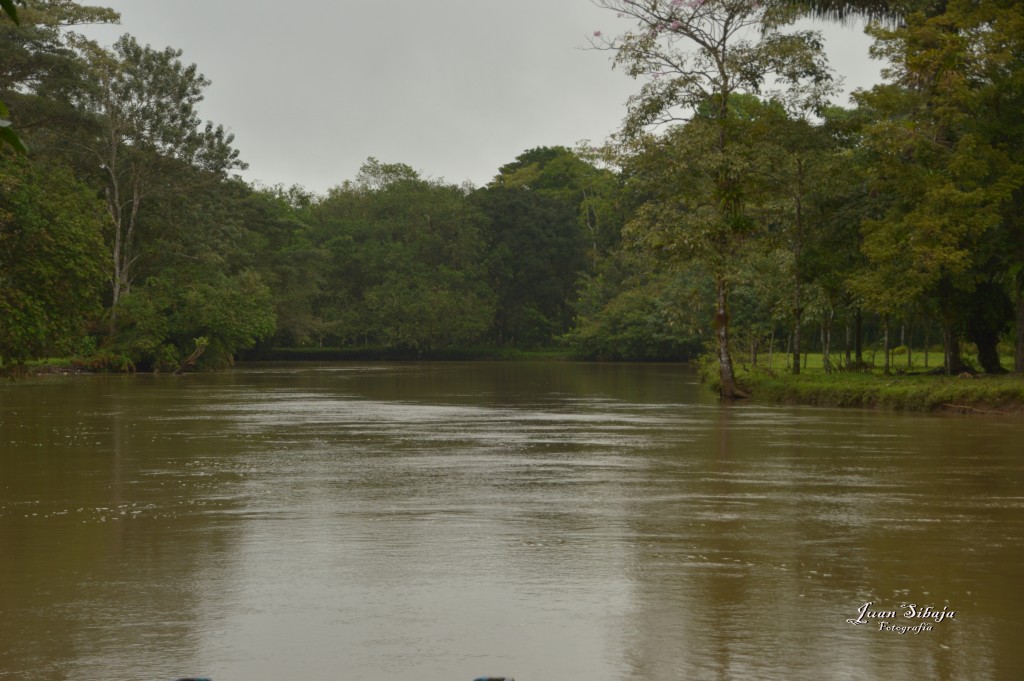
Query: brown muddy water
[[545, 521]]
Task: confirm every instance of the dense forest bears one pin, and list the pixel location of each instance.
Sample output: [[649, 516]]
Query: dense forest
[[738, 211]]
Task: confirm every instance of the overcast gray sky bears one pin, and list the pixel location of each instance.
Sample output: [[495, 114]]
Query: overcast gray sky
[[453, 88]]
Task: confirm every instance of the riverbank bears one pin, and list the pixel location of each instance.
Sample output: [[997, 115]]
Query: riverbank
[[910, 392], [968, 394], [103, 364], [390, 354]]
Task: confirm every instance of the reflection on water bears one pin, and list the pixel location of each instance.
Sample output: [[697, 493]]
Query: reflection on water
[[446, 521]]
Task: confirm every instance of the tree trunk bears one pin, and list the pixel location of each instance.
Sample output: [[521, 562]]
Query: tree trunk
[[124, 215], [927, 337], [909, 342], [798, 314], [1018, 355], [846, 345], [988, 351], [729, 389], [858, 340], [826, 341], [190, 361], [946, 351], [885, 345], [954, 363], [987, 313]]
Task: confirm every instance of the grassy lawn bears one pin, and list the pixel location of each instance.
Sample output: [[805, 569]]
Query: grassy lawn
[[919, 361], [903, 390]]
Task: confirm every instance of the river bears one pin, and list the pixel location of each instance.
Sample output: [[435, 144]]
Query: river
[[443, 521]]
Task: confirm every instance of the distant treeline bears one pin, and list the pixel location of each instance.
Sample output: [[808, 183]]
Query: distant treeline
[[128, 241]]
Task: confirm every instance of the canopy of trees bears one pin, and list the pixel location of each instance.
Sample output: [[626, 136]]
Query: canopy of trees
[[737, 211]]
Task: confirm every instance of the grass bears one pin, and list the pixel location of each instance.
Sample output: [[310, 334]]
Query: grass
[[911, 390]]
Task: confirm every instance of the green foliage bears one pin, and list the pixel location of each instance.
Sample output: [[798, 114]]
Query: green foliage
[[536, 249], [700, 60], [7, 135], [107, 361], [632, 312], [9, 8], [150, 142], [553, 215], [755, 214], [162, 319], [283, 250], [402, 262], [426, 310], [942, 149], [637, 325], [574, 178], [41, 74], [50, 260]]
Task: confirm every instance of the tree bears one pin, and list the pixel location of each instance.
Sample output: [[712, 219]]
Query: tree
[[10, 10], [842, 10], [552, 215], [40, 67], [404, 265], [51, 268], [573, 177], [946, 150], [535, 252], [163, 318], [203, 277], [7, 134], [721, 61], [807, 174], [144, 101], [281, 246], [634, 309]]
